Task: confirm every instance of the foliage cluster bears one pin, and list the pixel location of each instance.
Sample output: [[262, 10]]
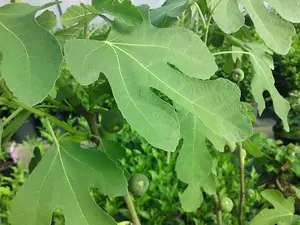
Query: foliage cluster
[[155, 69]]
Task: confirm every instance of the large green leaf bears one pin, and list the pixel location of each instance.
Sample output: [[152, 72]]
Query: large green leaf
[[263, 80], [135, 59], [170, 8], [227, 15], [31, 55], [194, 164], [276, 32], [62, 180], [288, 9], [124, 11], [283, 212]]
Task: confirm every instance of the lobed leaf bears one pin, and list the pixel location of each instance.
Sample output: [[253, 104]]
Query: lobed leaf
[[276, 32], [263, 81], [31, 55], [194, 164], [137, 58], [62, 180], [283, 212]]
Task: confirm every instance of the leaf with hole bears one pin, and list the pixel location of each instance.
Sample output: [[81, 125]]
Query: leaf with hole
[[31, 55], [126, 59], [261, 59], [62, 180]]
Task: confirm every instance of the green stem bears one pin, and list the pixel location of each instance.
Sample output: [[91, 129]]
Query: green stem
[[182, 19], [230, 52], [130, 206], [217, 209], [209, 19], [57, 122], [59, 104], [52, 133], [207, 29], [242, 183], [201, 15], [85, 27], [168, 157], [13, 115]]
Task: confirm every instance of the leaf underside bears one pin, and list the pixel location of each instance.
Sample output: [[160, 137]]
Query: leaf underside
[[62, 180], [263, 80], [276, 32]]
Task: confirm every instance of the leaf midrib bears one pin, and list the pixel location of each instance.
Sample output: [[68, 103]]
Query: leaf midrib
[[191, 102]]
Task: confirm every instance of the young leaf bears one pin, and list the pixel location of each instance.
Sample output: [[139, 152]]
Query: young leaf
[[124, 11], [263, 80], [76, 14], [288, 9], [127, 59], [194, 164], [47, 20], [31, 55], [227, 15], [170, 8], [283, 211], [62, 179]]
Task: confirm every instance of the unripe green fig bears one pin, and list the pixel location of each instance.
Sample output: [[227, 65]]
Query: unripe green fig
[[231, 146], [251, 193], [138, 184], [112, 121], [226, 204], [238, 74]]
